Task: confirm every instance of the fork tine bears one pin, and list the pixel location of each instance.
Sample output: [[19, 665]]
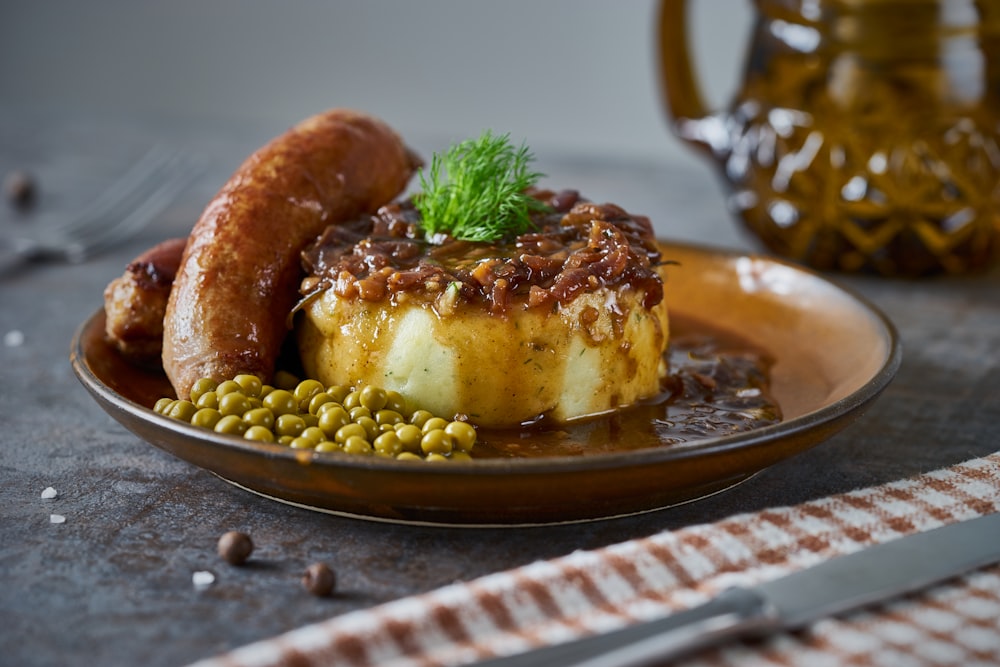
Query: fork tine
[[97, 211], [129, 193], [136, 209], [127, 206]]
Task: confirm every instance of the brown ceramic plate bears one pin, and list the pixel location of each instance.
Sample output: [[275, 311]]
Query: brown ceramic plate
[[833, 352]]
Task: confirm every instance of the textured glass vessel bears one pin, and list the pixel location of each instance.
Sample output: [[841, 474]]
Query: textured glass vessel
[[865, 134]]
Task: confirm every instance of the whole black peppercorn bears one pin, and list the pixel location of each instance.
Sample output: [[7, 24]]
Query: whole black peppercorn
[[319, 579], [19, 187], [235, 547]]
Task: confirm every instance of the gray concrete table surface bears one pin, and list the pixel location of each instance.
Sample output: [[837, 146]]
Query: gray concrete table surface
[[112, 585]]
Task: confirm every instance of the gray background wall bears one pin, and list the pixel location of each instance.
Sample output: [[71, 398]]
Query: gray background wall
[[577, 74]]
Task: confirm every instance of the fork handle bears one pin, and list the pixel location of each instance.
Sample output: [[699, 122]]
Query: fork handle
[[14, 256]]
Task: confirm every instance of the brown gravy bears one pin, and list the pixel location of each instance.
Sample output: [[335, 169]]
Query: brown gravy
[[718, 385]]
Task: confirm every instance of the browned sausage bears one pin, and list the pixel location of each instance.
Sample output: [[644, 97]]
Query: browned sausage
[[238, 280], [134, 302]]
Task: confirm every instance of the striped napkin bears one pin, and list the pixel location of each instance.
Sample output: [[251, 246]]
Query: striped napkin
[[956, 623]]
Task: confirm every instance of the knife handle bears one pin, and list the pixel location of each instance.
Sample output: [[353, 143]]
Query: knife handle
[[736, 612]]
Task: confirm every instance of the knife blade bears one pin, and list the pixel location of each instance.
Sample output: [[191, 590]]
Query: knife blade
[[843, 583]]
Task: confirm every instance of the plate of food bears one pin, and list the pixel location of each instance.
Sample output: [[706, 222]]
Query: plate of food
[[482, 352]]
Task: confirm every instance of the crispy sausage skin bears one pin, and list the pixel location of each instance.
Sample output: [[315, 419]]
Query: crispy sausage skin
[[239, 276], [134, 302]]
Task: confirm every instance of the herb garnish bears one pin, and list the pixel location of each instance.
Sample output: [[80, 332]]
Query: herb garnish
[[483, 198]]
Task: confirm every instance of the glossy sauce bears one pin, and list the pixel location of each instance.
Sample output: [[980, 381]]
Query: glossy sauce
[[718, 385]]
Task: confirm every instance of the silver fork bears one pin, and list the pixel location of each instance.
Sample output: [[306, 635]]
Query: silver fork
[[128, 205]]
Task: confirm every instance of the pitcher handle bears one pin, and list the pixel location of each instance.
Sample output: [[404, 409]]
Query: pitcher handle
[[692, 121]]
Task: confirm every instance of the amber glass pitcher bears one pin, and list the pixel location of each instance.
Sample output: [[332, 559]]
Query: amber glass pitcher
[[864, 136]]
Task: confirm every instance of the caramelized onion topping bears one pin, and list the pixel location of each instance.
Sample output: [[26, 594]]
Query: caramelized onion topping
[[577, 246]]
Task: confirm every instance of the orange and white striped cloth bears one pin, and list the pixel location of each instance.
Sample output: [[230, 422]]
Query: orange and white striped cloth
[[955, 623]]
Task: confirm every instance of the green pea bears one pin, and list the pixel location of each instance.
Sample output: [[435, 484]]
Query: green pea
[[370, 426], [387, 416], [458, 455], [350, 430], [318, 401], [201, 386], [285, 440], [357, 445], [250, 384], [206, 418], [409, 435], [372, 398], [182, 410], [259, 417], [306, 389], [232, 425], [228, 387], [338, 392], [463, 433], [234, 403], [359, 411], [434, 424], [281, 402], [352, 400], [161, 405], [420, 417], [314, 434], [209, 399], [330, 405], [396, 402], [259, 433], [436, 458], [327, 446], [332, 419], [301, 443], [436, 441], [289, 424], [407, 456], [388, 444]]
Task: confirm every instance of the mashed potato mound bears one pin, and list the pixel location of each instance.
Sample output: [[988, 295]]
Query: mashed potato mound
[[561, 323]]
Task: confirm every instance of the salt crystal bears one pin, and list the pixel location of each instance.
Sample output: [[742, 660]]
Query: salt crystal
[[202, 579], [49, 493], [57, 518], [13, 338]]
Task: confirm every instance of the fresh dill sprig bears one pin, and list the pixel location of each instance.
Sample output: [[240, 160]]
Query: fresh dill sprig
[[476, 190]]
